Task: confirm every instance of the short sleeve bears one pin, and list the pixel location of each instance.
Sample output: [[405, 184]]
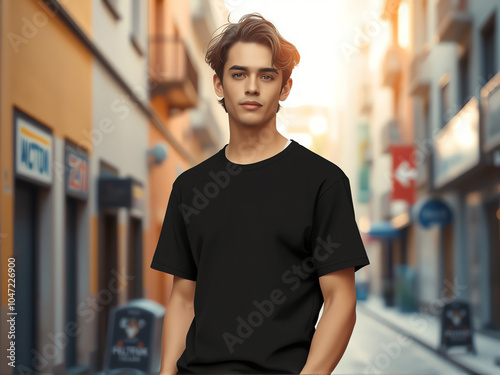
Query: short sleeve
[[173, 252], [335, 237]]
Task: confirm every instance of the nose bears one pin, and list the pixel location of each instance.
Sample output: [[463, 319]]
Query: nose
[[252, 87]]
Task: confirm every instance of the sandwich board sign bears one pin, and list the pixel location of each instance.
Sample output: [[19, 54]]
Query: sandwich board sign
[[133, 343], [456, 326]]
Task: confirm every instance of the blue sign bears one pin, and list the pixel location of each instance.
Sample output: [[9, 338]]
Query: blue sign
[[433, 211], [33, 155]]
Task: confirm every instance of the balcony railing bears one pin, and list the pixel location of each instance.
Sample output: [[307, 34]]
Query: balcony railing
[[172, 72], [453, 19]]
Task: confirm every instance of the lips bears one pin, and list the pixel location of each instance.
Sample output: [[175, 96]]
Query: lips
[[251, 105]]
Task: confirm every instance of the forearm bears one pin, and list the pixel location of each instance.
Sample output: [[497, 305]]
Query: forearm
[[178, 318], [332, 335]]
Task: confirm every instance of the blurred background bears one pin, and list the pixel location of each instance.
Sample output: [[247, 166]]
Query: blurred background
[[105, 102]]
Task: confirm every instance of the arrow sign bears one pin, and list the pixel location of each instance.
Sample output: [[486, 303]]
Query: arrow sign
[[404, 173]]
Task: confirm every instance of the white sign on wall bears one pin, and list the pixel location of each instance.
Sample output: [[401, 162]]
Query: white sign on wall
[[33, 152]]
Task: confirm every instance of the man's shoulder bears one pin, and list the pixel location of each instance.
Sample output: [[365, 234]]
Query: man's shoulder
[[192, 175], [316, 164]]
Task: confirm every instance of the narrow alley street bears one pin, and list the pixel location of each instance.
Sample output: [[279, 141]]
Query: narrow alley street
[[377, 349]]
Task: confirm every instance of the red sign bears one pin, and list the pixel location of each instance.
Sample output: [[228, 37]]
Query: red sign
[[404, 173]]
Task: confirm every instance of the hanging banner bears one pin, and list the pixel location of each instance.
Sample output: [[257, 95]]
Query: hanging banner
[[404, 173]]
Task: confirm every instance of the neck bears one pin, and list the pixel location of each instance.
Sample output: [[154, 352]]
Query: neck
[[253, 143]]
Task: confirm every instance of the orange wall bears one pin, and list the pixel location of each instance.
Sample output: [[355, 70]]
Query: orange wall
[[46, 72], [158, 285]]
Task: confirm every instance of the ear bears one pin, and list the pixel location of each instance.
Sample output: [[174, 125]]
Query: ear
[[286, 89], [219, 89]]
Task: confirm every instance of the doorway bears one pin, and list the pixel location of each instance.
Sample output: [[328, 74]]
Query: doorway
[[26, 255], [493, 219]]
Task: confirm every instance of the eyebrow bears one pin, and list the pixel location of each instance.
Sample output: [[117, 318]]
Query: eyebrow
[[245, 68]]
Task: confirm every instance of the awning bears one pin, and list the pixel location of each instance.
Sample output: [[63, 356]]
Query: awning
[[383, 229]]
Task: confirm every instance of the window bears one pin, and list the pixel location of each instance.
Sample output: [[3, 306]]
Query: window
[[445, 104], [463, 68], [488, 44], [138, 36]]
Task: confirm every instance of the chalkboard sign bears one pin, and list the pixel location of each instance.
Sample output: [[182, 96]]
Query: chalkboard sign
[[134, 337], [456, 326]]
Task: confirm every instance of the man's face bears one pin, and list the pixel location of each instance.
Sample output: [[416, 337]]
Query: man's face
[[249, 76]]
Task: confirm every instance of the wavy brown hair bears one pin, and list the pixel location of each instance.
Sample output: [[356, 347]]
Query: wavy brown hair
[[252, 28]]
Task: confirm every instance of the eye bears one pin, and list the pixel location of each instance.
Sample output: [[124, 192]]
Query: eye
[[235, 74], [270, 78]]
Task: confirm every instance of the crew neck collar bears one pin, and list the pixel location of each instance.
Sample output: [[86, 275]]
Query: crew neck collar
[[222, 157]]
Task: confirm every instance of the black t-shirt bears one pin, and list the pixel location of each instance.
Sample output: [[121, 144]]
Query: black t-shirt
[[256, 238]]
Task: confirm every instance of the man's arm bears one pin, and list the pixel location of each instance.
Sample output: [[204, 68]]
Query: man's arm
[[178, 318], [335, 327]]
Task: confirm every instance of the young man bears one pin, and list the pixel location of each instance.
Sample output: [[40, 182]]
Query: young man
[[259, 235]]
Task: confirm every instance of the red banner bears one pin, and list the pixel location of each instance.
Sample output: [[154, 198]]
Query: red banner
[[404, 173]]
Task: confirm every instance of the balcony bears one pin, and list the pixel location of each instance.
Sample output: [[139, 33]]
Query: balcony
[[391, 66], [419, 83], [203, 19], [204, 126], [172, 72], [453, 20], [490, 99], [390, 135], [456, 146]]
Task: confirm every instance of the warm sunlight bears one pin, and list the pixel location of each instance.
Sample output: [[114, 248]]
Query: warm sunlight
[[314, 27], [404, 24]]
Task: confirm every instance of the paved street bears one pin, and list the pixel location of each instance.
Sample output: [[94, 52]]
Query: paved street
[[376, 349]]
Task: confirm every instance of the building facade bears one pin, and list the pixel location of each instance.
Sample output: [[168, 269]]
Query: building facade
[[456, 61], [442, 87], [92, 138]]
